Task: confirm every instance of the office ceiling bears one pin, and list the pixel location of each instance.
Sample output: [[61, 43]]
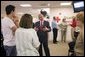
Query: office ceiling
[[35, 4]]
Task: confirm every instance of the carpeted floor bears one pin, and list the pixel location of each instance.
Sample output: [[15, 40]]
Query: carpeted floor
[[59, 49]]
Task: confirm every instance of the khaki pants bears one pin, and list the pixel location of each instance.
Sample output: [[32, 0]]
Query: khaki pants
[[63, 35]]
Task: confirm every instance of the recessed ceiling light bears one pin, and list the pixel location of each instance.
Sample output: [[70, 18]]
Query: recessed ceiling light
[[68, 3], [25, 5], [48, 4]]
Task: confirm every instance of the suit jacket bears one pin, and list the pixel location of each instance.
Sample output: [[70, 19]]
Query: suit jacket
[[43, 35]]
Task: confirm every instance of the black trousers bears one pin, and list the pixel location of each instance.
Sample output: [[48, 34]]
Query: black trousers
[[76, 34], [46, 49], [55, 32], [72, 44], [3, 52]]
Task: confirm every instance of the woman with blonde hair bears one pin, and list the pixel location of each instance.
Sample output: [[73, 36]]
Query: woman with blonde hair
[[79, 47]]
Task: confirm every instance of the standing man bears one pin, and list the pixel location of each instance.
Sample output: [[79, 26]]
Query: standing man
[[55, 30], [8, 28], [42, 27]]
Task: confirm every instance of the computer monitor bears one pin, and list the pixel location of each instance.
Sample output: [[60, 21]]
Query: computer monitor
[[78, 6]]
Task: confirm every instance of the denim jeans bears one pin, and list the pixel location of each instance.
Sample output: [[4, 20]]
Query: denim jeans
[[10, 50]]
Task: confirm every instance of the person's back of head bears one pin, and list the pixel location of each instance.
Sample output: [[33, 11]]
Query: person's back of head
[[26, 21], [54, 18], [9, 9]]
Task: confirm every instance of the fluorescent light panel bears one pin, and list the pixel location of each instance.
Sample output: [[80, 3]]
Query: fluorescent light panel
[[68, 3], [25, 5]]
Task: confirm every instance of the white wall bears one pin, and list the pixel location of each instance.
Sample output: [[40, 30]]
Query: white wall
[[63, 11]]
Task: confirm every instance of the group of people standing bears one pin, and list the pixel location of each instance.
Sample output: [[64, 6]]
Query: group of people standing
[[73, 33], [62, 27], [26, 38]]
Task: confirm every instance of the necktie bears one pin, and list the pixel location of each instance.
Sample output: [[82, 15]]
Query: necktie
[[41, 23]]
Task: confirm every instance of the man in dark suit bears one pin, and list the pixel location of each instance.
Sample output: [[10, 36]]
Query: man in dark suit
[[42, 27]]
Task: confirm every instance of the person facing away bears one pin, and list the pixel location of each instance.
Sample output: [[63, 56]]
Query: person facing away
[[27, 41], [79, 46], [8, 28], [55, 30], [42, 27]]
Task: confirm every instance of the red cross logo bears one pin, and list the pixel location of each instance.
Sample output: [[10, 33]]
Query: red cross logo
[[57, 19]]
